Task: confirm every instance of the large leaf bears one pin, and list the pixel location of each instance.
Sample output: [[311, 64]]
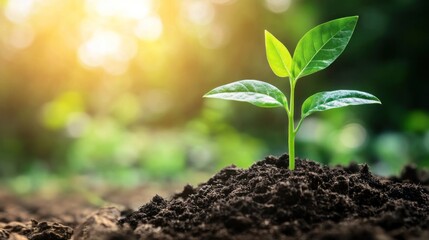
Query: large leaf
[[320, 46], [255, 92], [323, 101], [278, 56]]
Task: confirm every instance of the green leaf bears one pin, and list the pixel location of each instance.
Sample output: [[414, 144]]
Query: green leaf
[[320, 46], [323, 101], [278, 56], [255, 92]]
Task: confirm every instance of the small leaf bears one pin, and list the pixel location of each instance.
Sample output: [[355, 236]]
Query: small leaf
[[323, 101], [320, 46], [278, 56], [255, 92]]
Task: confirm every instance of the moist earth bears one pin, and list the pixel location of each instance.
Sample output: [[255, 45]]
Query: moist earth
[[266, 201]]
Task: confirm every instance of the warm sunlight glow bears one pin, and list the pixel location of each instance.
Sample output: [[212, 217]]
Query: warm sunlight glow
[[149, 28], [222, 1], [21, 36], [107, 49], [17, 11], [101, 45], [199, 12], [133, 9], [111, 30], [214, 37]]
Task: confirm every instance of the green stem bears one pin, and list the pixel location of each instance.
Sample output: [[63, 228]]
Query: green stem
[[299, 125], [291, 127]]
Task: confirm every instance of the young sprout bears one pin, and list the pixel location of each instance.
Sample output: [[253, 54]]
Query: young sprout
[[316, 50]]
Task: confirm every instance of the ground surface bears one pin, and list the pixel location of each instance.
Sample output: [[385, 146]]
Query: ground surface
[[266, 201]]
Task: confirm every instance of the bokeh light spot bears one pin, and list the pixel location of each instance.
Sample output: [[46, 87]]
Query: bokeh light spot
[[353, 135], [277, 6], [21, 36], [312, 130], [17, 11], [77, 123], [133, 9], [107, 49], [214, 37], [149, 28], [102, 44], [199, 12], [55, 114]]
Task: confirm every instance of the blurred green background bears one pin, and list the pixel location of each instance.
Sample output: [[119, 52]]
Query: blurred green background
[[101, 92]]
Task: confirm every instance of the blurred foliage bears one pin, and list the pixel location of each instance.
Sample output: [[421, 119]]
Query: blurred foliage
[[111, 90]]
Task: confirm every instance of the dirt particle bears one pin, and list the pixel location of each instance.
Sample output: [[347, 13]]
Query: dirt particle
[[49, 231], [341, 185], [238, 223]]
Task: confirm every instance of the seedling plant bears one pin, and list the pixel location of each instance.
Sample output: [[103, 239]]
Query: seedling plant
[[315, 51]]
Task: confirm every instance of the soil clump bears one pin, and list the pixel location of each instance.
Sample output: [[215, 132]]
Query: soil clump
[[267, 201]]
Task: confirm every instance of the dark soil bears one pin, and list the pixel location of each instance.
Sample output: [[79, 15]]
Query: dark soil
[[266, 201]]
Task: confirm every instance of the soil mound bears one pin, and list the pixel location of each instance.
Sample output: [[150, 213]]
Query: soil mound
[[267, 201]]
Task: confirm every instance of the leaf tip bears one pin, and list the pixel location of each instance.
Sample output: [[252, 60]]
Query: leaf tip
[[267, 34], [376, 100], [355, 18], [207, 95]]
